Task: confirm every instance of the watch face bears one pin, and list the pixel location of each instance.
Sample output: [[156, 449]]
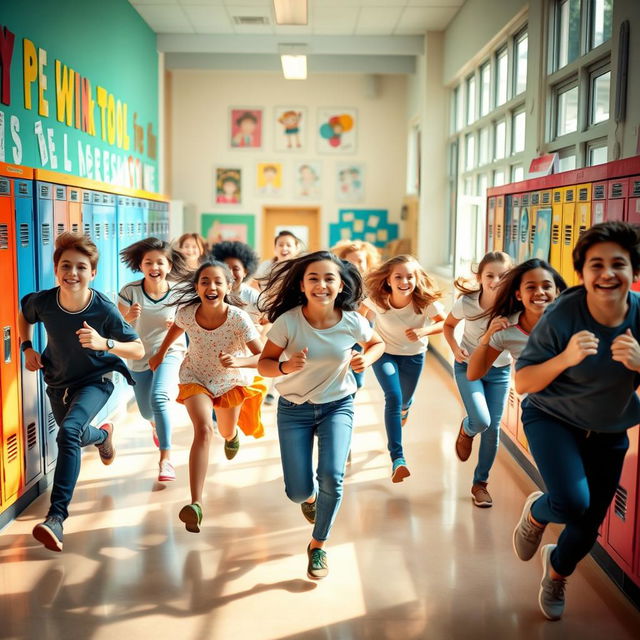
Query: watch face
[[110, 344]]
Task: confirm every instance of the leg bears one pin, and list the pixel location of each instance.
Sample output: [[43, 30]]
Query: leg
[[386, 370], [199, 409], [409, 368], [165, 379], [472, 392], [142, 391]]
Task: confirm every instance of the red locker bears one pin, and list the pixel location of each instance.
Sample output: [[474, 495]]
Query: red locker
[[633, 210], [599, 202], [617, 192]]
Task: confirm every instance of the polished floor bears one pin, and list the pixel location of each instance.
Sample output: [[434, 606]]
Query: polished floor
[[409, 560]]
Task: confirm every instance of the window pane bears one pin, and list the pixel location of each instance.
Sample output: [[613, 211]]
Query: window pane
[[568, 44], [567, 163], [567, 111], [600, 98], [470, 153], [471, 99], [498, 177], [601, 12], [468, 186], [597, 155], [502, 64], [459, 109], [482, 184], [485, 89], [484, 146], [454, 101], [522, 48], [499, 134], [517, 140], [517, 173]]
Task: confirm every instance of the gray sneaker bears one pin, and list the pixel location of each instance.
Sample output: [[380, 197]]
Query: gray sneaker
[[526, 535], [551, 596]]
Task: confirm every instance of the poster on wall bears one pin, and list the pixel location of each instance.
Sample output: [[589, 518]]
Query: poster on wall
[[337, 129], [290, 128], [306, 180], [371, 225], [228, 185], [349, 182], [218, 227], [245, 127], [269, 179]]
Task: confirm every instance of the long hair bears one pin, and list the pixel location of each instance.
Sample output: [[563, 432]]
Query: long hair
[[506, 303], [187, 291], [283, 292], [345, 247], [197, 238], [238, 250], [378, 289], [133, 255], [467, 286]]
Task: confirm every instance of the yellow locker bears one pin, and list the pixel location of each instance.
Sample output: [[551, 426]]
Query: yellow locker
[[583, 211], [556, 229], [568, 217]]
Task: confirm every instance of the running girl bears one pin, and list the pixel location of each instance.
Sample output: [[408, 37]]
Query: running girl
[[193, 249]]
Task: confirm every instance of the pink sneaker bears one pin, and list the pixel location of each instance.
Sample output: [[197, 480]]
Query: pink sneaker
[[167, 472]]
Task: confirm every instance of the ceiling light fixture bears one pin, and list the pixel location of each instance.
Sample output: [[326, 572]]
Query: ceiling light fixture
[[291, 12], [294, 60]]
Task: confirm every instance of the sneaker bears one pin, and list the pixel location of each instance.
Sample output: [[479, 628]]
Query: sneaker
[[463, 444], [309, 511], [232, 446], [526, 535], [154, 435], [167, 471], [191, 515], [481, 497], [399, 470], [49, 533], [551, 596], [317, 568], [404, 416], [106, 449], [269, 399]]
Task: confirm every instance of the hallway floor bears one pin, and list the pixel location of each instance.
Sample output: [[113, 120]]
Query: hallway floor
[[409, 560]]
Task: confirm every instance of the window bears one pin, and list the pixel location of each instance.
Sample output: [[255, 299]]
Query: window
[[485, 89], [498, 177], [567, 111], [471, 99], [468, 186], [483, 151], [601, 14], [521, 51], [483, 182], [500, 138], [517, 173], [470, 151], [567, 32], [517, 132], [597, 153], [600, 85], [567, 159]]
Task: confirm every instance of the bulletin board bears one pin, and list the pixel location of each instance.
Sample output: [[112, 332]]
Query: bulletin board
[[370, 225]]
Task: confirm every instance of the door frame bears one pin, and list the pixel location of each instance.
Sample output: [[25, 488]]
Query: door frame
[[315, 244]]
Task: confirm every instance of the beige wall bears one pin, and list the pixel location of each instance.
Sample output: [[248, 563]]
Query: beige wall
[[199, 138]]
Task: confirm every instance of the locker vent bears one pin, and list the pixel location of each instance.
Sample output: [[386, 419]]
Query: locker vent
[[75, 227], [546, 197], [87, 229], [46, 233], [32, 435], [4, 236], [532, 234], [555, 234], [617, 190], [535, 198], [498, 231], [581, 230], [5, 189], [557, 196], [23, 189], [44, 191], [132, 228], [523, 235], [60, 193], [59, 228], [567, 235], [24, 234], [599, 192], [139, 228], [96, 227], [582, 195], [106, 229], [635, 189], [490, 231], [121, 229], [514, 233], [51, 423], [11, 444], [570, 195], [620, 503]]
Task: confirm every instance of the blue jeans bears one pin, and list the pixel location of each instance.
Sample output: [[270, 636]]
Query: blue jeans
[[74, 408], [581, 471], [152, 391], [297, 424], [398, 376], [484, 401]]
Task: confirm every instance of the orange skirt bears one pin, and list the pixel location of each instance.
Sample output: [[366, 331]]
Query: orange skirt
[[249, 398]]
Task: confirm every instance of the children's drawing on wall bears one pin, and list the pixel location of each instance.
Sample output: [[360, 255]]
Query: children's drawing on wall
[[306, 180], [349, 182], [290, 128], [246, 128], [269, 179], [337, 130], [228, 186]]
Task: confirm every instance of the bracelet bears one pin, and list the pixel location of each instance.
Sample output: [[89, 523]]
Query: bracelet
[[27, 344], [280, 369]]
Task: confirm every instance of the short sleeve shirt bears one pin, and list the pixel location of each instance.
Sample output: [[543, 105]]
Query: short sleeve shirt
[[202, 365], [327, 376], [249, 296], [513, 339], [65, 362]]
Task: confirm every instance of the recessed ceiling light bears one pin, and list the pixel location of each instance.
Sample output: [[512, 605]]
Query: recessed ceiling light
[[291, 11]]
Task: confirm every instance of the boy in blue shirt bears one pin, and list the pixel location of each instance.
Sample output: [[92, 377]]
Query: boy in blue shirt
[[86, 339], [581, 370]]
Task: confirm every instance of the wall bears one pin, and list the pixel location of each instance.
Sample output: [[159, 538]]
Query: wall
[[200, 139]]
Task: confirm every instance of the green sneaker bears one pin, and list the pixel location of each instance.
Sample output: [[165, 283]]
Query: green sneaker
[[231, 447], [317, 567], [191, 515]]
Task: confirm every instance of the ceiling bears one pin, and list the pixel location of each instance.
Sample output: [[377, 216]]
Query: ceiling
[[382, 36]]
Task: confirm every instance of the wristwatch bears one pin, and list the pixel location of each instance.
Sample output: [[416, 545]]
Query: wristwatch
[[110, 344]]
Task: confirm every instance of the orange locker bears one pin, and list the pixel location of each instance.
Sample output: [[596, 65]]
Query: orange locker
[[583, 211], [556, 230], [598, 202], [498, 239], [491, 216], [75, 214], [617, 192], [60, 210], [568, 216], [510, 417], [11, 444]]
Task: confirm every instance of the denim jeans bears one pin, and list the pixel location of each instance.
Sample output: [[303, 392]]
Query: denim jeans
[[581, 470], [74, 408], [153, 392], [332, 422], [484, 401], [398, 376]]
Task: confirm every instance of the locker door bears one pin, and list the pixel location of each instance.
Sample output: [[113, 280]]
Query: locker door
[[509, 417], [121, 217], [583, 211], [11, 445], [599, 202], [508, 221], [75, 206], [534, 206], [555, 257], [633, 210], [568, 216], [522, 438], [617, 191], [524, 229], [512, 237], [498, 241], [145, 218], [491, 216], [541, 237], [164, 207], [98, 218], [86, 212], [32, 432], [60, 210]]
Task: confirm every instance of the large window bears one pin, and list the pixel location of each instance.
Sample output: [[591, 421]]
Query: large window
[[601, 14], [485, 89], [502, 79], [520, 67]]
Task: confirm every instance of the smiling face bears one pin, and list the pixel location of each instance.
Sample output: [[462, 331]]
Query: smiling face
[[489, 279], [74, 272], [154, 266], [402, 280], [321, 283], [537, 290], [358, 259], [190, 248], [238, 271], [286, 248], [212, 287]]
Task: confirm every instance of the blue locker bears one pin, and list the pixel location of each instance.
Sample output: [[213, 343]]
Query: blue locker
[[86, 209]]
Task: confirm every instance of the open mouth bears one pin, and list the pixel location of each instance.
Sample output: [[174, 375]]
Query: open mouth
[[211, 296], [607, 287], [155, 274]]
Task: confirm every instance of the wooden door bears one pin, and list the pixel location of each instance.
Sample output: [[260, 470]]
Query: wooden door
[[300, 221]]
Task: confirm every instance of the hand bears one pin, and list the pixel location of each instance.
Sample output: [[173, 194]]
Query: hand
[[497, 324], [169, 323], [32, 360], [414, 334], [460, 354], [155, 361], [134, 313], [358, 363], [90, 338], [296, 362], [625, 349], [582, 344], [227, 360]]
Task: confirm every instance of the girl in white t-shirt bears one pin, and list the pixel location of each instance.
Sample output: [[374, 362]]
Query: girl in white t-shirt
[[213, 372], [483, 399], [146, 305], [312, 303], [404, 301]]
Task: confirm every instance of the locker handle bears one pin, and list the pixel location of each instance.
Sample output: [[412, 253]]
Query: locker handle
[[7, 344]]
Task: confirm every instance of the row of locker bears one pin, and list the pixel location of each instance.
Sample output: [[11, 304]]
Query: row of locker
[[32, 214]]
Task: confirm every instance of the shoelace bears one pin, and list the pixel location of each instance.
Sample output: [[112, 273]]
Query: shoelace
[[319, 559], [557, 588], [531, 533]]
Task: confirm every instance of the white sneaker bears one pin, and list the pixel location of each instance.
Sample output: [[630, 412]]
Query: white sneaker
[[167, 472]]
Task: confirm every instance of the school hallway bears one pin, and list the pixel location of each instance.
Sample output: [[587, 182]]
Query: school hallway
[[409, 560]]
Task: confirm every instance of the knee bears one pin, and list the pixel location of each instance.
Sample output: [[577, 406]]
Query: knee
[[69, 435], [298, 494], [392, 397], [331, 483], [203, 432], [570, 506], [159, 401]]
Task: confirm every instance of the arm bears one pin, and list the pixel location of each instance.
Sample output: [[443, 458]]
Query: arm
[[270, 366], [91, 339], [436, 327], [373, 349], [481, 361], [365, 311], [173, 333], [129, 313], [250, 362], [460, 354], [31, 356]]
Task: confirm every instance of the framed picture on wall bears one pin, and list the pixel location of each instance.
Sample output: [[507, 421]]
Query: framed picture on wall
[[245, 127], [217, 227], [269, 179], [306, 180], [337, 130], [228, 185], [349, 182], [290, 128]]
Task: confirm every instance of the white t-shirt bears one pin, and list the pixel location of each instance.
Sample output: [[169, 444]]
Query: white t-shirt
[[392, 323], [151, 324], [465, 308], [249, 296], [513, 339], [202, 365], [327, 375]]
